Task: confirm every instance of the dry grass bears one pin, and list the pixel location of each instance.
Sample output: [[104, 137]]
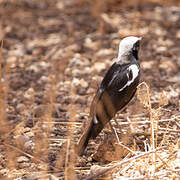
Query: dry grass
[[31, 147], [158, 157]]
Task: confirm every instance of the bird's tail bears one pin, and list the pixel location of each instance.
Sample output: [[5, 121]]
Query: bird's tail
[[91, 132], [83, 141]]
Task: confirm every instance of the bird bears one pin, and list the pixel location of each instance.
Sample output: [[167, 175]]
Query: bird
[[115, 90]]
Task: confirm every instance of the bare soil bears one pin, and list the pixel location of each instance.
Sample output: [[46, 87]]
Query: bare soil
[[54, 55]]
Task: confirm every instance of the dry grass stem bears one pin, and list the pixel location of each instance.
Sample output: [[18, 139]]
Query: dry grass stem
[[120, 164], [50, 70]]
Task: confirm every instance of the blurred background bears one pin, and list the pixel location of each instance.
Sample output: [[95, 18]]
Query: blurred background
[[55, 53]]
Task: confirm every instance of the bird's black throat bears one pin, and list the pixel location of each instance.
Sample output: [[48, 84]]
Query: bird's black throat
[[135, 53], [135, 49]]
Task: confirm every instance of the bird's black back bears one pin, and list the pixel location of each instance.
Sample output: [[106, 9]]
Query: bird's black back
[[112, 95], [115, 91]]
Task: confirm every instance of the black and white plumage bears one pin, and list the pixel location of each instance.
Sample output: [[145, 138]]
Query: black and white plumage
[[115, 91]]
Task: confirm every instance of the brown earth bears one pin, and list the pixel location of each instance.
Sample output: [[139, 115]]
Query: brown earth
[[54, 55]]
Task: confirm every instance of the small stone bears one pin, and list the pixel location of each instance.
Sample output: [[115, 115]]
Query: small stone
[[4, 172], [161, 49], [44, 79], [21, 140], [76, 82], [60, 5], [27, 129], [22, 159], [37, 51], [96, 168], [168, 65], [24, 165], [147, 64], [105, 52], [12, 61], [83, 83], [91, 44], [29, 94], [88, 70], [33, 67], [107, 23], [52, 177], [178, 34], [10, 109], [81, 100], [76, 72], [99, 66], [40, 110], [89, 159], [29, 145], [30, 134], [75, 61], [20, 107], [44, 64]]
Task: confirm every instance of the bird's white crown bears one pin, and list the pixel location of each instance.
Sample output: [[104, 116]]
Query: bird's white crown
[[127, 44]]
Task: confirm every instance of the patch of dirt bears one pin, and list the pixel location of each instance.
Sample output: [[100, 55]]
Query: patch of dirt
[[54, 55]]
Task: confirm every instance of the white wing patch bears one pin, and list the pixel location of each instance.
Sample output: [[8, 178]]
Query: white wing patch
[[95, 120], [135, 71]]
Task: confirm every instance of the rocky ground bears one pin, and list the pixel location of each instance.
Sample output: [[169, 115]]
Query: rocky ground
[[54, 54]]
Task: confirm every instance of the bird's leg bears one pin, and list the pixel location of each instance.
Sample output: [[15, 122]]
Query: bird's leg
[[117, 137], [117, 124], [132, 130], [114, 131]]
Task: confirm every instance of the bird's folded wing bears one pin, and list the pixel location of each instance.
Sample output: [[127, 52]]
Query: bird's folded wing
[[116, 78]]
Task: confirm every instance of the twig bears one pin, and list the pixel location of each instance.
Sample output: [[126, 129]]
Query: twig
[[28, 155], [1, 109], [67, 160], [120, 164], [152, 176], [117, 137], [171, 130], [130, 125]]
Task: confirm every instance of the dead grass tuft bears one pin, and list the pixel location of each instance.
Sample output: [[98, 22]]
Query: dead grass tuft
[[45, 90]]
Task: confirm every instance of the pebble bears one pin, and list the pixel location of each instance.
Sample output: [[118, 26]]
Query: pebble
[[76, 72], [147, 64], [40, 110], [4, 172], [178, 34], [104, 52], [76, 61], [52, 177], [91, 44], [82, 83], [20, 107], [29, 94], [27, 129], [99, 66], [96, 168], [21, 140], [44, 79], [37, 51], [24, 165], [30, 134], [12, 61], [29, 145], [22, 159]]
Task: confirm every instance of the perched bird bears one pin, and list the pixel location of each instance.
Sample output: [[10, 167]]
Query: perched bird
[[115, 91]]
